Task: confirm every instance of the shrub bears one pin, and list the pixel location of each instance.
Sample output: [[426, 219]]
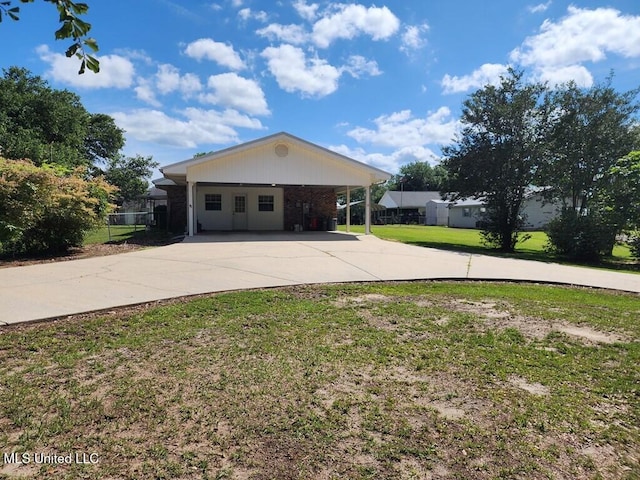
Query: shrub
[[47, 209], [578, 237]]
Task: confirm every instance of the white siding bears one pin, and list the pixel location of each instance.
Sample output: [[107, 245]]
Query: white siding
[[223, 219], [538, 213], [261, 165], [458, 219], [437, 213]]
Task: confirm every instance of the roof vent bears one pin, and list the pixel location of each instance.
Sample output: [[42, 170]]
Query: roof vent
[[282, 150]]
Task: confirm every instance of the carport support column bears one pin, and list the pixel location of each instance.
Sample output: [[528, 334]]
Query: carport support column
[[190, 187], [348, 210], [367, 210]]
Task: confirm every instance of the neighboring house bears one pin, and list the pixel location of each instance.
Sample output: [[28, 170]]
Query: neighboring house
[[406, 206], [279, 182], [466, 213], [437, 212], [537, 212]]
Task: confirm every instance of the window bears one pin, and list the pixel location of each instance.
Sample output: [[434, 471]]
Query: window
[[213, 201], [265, 203], [466, 212], [240, 204]]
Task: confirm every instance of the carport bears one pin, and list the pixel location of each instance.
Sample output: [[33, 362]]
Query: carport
[[278, 182]]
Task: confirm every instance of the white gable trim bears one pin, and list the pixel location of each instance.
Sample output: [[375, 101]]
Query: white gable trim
[[336, 166]]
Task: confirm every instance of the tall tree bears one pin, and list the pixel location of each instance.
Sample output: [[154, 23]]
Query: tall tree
[[592, 129], [418, 177], [496, 154], [72, 26], [51, 126], [104, 139]]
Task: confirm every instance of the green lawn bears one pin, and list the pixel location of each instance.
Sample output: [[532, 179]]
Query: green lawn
[[361, 381], [121, 233], [469, 240]]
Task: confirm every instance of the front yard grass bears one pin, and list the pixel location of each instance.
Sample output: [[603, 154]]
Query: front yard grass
[[470, 240], [125, 233], [360, 381]]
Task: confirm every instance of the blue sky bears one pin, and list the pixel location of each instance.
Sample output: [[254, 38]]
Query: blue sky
[[382, 83]]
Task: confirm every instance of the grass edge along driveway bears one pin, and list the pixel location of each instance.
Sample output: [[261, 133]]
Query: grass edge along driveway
[[470, 241], [387, 380]]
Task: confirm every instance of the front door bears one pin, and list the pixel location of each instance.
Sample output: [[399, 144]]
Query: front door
[[240, 211]]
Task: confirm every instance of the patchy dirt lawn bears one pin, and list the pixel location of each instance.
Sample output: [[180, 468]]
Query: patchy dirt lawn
[[392, 380]]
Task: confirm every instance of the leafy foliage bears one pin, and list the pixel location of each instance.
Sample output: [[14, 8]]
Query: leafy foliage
[[495, 156], [52, 126], [418, 176], [129, 174], [47, 209], [622, 195], [578, 237], [72, 26], [587, 166], [591, 130], [571, 141]]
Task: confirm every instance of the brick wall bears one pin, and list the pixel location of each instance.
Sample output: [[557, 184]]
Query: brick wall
[[321, 201], [177, 207], [322, 207]]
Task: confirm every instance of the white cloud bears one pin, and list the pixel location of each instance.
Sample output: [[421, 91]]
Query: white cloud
[[294, 34], [195, 127], [403, 129], [559, 75], [413, 37], [541, 7], [233, 91], [389, 162], [295, 73], [221, 53], [146, 93], [583, 35], [247, 14], [168, 80], [115, 71], [358, 65], [487, 74], [351, 20], [308, 12]]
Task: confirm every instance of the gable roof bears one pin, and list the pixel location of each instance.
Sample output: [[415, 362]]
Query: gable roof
[[397, 199], [178, 171]]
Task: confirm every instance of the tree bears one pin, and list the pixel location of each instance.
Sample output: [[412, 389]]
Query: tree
[[72, 26], [621, 199], [418, 177], [496, 154], [52, 126], [129, 175], [104, 139], [592, 130]]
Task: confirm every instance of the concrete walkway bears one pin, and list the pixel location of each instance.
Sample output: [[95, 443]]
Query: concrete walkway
[[213, 263]]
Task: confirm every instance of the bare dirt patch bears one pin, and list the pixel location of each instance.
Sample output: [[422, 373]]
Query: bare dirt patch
[[88, 251], [532, 388], [589, 334], [499, 316], [362, 299]]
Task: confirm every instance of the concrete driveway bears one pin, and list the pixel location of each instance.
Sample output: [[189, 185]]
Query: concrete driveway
[[234, 261]]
